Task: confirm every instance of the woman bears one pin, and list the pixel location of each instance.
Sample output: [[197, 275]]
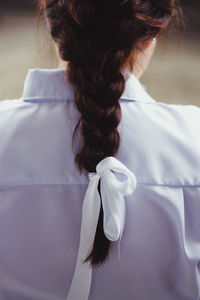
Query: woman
[[115, 214]]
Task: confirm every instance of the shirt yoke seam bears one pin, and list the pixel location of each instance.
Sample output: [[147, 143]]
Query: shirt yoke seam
[[85, 184]]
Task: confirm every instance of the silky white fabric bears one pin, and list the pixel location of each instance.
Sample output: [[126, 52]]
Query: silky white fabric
[[42, 194], [112, 197]]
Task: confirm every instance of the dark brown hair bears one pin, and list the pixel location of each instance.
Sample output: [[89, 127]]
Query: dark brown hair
[[97, 37]]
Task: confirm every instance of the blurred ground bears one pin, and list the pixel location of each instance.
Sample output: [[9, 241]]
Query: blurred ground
[[172, 77]]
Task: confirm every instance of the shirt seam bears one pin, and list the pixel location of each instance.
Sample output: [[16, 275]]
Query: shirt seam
[[67, 184]]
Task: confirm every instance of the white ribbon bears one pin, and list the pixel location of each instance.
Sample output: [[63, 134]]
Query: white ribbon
[[112, 196]]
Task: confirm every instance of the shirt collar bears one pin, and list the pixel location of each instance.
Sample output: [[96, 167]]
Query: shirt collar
[[51, 84]]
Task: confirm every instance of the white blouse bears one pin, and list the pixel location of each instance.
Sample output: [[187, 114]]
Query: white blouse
[[155, 252]]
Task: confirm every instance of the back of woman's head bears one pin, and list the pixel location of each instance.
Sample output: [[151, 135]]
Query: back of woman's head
[[97, 37]]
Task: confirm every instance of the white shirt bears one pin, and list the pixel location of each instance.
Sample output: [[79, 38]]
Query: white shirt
[[42, 193]]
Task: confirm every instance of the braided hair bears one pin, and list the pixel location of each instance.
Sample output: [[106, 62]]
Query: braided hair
[[97, 38]]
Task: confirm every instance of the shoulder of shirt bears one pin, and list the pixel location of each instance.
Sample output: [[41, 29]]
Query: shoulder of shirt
[[165, 139]]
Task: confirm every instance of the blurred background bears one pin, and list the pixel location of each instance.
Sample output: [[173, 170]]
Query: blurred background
[[172, 77]]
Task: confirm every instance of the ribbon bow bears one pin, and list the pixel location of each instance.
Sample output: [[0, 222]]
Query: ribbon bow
[[112, 196]]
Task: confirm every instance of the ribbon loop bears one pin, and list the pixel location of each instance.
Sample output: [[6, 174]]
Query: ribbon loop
[[112, 164], [112, 195]]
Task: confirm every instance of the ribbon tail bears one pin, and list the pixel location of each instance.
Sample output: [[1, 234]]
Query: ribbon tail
[[81, 282], [122, 228], [119, 255]]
